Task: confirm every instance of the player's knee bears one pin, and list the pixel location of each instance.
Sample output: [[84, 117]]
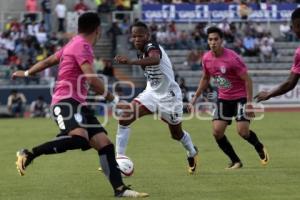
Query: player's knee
[[218, 133], [82, 142], [244, 133], [125, 122], [176, 135]]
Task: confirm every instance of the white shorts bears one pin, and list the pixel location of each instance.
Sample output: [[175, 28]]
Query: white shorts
[[169, 107]]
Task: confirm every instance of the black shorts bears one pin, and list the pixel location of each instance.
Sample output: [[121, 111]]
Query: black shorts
[[70, 114], [227, 109]]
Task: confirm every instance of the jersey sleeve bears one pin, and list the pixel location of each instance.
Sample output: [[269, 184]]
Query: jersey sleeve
[[152, 47], [84, 54], [296, 65], [204, 65], [240, 67]]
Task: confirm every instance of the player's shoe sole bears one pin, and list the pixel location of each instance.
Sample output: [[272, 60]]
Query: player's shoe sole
[[21, 160], [193, 161], [264, 160], [236, 165]]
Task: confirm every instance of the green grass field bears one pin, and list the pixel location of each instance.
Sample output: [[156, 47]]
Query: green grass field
[[160, 165]]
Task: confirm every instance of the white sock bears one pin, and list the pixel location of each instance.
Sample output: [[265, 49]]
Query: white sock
[[122, 139], [187, 143]]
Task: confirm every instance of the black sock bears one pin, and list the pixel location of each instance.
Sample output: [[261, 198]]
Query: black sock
[[109, 166], [252, 139], [226, 147], [60, 145]]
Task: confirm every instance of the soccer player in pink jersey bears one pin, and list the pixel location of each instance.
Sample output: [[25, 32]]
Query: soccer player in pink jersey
[[234, 96], [293, 78], [79, 128]]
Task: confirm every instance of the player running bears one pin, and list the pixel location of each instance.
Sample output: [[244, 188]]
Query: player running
[[79, 128], [234, 96], [162, 94]]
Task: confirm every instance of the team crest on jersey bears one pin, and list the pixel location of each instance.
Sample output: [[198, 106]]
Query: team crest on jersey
[[223, 69]]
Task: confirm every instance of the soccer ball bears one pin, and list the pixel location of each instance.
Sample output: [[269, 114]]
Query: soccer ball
[[125, 165]]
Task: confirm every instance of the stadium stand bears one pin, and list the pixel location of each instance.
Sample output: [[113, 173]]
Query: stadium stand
[[186, 36]]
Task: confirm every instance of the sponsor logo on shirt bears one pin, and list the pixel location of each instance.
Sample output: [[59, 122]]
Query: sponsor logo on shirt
[[222, 82]]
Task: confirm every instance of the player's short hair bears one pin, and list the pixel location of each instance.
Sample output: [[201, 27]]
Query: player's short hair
[[141, 24], [88, 22], [214, 29], [295, 14]]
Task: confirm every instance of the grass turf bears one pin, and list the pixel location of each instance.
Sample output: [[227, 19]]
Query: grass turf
[[160, 165]]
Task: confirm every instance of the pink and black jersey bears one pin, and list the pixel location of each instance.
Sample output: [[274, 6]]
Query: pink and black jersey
[[296, 65], [226, 71], [71, 82]]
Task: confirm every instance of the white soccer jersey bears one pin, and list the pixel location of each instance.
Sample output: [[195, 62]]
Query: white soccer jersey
[[162, 94], [160, 78]]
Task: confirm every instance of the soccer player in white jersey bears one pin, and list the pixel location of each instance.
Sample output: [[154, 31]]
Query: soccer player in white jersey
[[162, 94]]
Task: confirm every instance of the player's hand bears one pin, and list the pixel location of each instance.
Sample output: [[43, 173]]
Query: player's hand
[[190, 106], [18, 74], [262, 96], [249, 111], [122, 60]]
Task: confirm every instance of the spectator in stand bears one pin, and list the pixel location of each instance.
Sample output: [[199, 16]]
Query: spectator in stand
[[39, 108], [81, 7], [123, 4], [113, 33], [61, 11], [285, 31], [250, 45], [244, 10], [153, 28], [162, 36], [184, 40], [259, 29], [46, 10], [194, 59], [31, 9], [16, 103], [13, 25], [199, 36], [266, 51], [104, 7], [125, 25]]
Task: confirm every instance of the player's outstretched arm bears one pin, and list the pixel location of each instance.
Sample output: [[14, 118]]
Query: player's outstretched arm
[[38, 67], [96, 83], [286, 86], [152, 59]]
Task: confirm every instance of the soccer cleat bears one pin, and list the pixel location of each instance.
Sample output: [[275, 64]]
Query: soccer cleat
[[23, 160], [264, 156], [100, 169], [126, 191], [193, 162], [235, 165]]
